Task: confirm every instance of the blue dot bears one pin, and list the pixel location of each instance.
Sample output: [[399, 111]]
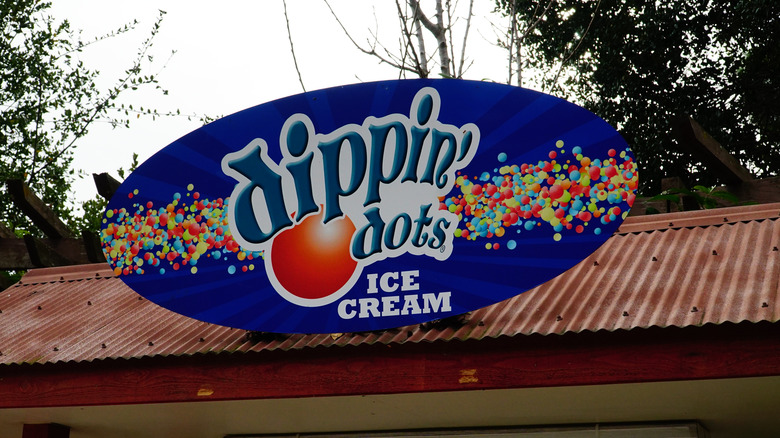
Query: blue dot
[[511, 244], [502, 157], [597, 231], [231, 269]]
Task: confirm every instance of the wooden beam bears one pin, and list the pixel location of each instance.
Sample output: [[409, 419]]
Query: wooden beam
[[14, 253], [43, 255], [761, 191], [49, 430], [694, 139], [634, 356], [106, 184], [6, 233], [39, 213]]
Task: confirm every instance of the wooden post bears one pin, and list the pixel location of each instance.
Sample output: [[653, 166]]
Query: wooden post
[[49, 430], [106, 184]]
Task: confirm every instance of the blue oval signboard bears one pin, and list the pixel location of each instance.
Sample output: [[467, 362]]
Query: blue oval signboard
[[369, 206]]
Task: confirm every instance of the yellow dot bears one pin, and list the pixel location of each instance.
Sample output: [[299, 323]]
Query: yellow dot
[[194, 269], [487, 246], [559, 144], [190, 187], [557, 237]]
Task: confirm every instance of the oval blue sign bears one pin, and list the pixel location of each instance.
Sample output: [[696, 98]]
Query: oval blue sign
[[369, 206]]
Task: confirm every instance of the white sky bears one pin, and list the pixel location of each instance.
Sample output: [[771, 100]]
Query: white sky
[[235, 54]]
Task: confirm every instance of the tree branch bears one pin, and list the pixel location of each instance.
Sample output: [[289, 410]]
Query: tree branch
[[372, 51], [93, 113], [465, 38], [579, 43], [437, 30], [292, 48]]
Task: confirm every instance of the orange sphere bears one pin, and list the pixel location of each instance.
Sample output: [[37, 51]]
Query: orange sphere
[[313, 260]]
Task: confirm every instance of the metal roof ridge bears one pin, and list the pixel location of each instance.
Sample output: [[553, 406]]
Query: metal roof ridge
[[67, 273], [699, 218]]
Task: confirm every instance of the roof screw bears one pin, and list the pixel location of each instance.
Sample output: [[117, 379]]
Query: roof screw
[[695, 309], [62, 278], [595, 263], [714, 252], [559, 318], [89, 303], [40, 308], [151, 344], [774, 248], [102, 345], [140, 298], [671, 224], [1, 353], [56, 349], [764, 304], [202, 340], [655, 259], [625, 313], [725, 219]]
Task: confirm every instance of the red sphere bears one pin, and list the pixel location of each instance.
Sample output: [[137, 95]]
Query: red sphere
[[312, 260]]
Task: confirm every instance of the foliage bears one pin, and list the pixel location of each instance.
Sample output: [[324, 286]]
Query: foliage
[[91, 217], [48, 101], [640, 65], [705, 197]]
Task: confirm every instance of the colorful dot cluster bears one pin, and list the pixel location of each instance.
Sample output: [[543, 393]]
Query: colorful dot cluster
[[570, 192], [187, 230]]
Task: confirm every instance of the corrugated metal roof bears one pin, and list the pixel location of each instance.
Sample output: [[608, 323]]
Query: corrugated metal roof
[[679, 269]]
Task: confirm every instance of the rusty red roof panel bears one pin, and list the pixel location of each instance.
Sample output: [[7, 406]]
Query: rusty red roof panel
[[679, 269]]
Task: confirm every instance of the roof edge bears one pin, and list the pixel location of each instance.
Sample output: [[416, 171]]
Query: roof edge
[[699, 218], [67, 273]]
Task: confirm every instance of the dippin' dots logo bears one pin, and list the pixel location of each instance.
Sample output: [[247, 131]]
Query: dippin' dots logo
[[340, 201]]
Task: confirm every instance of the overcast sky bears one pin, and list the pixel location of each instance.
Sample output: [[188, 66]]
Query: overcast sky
[[236, 54]]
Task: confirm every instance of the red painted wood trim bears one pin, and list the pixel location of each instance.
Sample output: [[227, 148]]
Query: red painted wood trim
[[710, 352]]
